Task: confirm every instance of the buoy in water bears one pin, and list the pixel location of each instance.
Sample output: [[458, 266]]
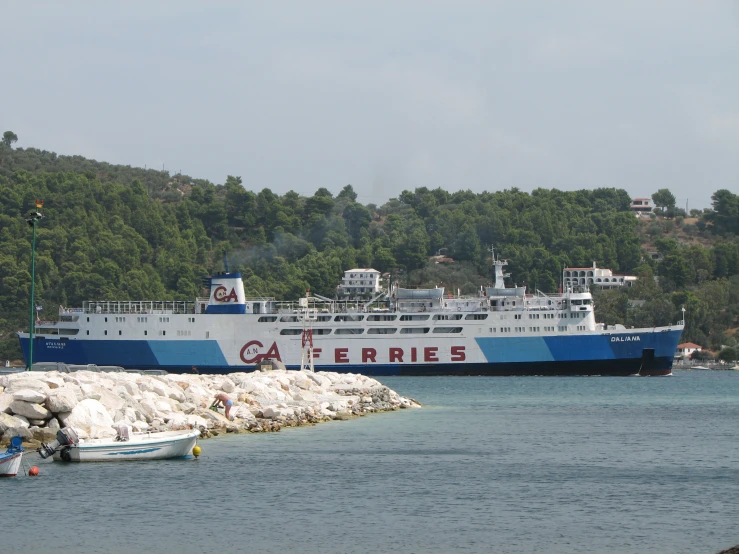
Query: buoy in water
[[196, 451], [33, 471]]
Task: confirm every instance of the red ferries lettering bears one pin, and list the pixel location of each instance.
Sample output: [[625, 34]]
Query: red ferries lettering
[[253, 352], [428, 354]]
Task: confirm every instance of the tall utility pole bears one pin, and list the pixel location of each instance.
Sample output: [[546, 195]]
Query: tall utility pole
[[32, 220]]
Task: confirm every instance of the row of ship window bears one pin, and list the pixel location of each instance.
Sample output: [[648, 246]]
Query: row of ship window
[[161, 332], [358, 317], [407, 317], [357, 331], [547, 329], [144, 319], [370, 331], [424, 330]]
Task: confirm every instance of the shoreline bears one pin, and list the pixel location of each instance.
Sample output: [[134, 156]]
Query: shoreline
[[35, 405]]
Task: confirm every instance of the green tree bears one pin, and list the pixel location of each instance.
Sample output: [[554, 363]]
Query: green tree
[[9, 137], [728, 354], [664, 199], [725, 215]]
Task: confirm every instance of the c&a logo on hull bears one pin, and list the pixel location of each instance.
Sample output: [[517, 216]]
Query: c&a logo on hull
[[251, 352], [221, 294]]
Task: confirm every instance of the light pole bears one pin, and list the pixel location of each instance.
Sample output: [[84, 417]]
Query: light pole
[[32, 220]]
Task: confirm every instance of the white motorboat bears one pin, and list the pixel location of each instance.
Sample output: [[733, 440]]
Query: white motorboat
[[125, 446], [10, 460]]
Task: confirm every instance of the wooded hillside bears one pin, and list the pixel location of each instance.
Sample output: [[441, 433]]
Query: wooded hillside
[[117, 232]]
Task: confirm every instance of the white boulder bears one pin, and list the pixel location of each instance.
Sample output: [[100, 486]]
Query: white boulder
[[8, 421], [62, 399], [321, 380], [111, 401], [29, 409], [242, 412], [23, 381], [139, 426], [304, 383], [21, 432], [29, 395], [186, 421], [227, 385], [53, 381], [5, 400], [91, 417]]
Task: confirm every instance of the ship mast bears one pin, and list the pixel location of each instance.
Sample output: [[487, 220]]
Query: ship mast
[[500, 275], [308, 315]]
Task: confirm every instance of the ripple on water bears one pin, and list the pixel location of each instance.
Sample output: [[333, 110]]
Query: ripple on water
[[489, 465]]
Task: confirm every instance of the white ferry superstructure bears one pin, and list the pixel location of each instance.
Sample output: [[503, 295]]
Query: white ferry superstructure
[[500, 331]]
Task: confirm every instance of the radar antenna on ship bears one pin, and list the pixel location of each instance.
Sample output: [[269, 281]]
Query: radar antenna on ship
[[308, 315], [498, 271]]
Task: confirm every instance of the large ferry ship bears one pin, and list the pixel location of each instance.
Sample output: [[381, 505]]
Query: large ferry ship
[[500, 331]]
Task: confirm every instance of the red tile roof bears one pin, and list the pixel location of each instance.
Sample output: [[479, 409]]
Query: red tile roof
[[685, 345]]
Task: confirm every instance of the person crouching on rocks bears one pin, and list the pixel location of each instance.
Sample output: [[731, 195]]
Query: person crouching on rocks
[[223, 399]]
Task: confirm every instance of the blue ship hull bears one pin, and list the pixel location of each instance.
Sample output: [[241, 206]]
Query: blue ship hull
[[639, 351]]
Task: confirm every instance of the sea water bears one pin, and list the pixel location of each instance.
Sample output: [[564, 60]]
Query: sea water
[[495, 464]]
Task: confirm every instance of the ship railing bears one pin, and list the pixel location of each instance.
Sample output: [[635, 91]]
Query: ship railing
[[138, 307], [335, 306]]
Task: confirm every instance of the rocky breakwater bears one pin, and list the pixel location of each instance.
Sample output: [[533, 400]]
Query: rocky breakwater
[[35, 405]]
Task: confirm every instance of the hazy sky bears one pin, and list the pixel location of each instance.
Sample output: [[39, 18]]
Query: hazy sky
[[480, 95]]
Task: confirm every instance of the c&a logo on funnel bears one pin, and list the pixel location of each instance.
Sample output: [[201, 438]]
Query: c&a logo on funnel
[[251, 352], [221, 294]]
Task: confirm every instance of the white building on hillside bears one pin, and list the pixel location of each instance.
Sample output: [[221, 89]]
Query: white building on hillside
[[595, 276], [642, 205], [686, 349], [359, 282]]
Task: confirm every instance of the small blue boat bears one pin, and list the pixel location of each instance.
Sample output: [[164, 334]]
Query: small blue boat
[[10, 460]]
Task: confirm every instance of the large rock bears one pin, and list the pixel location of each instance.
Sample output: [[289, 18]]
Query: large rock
[[214, 419], [29, 395], [5, 400], [320, 379], [242, 412], [273, 412], [182, 421], [226, 385], [8, 421], [305, 383], [139, 426], [21, 432], [305, 396], [53, 381], [61, 400], [29, 410], [91, 417], [26, 382], [111, 401], [43, 434], [129, 388]]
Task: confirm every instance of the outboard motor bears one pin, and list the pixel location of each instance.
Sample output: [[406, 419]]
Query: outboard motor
[[124, 433], [64, 438]]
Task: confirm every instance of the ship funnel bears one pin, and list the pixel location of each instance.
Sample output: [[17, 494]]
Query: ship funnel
[[226, 295]]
